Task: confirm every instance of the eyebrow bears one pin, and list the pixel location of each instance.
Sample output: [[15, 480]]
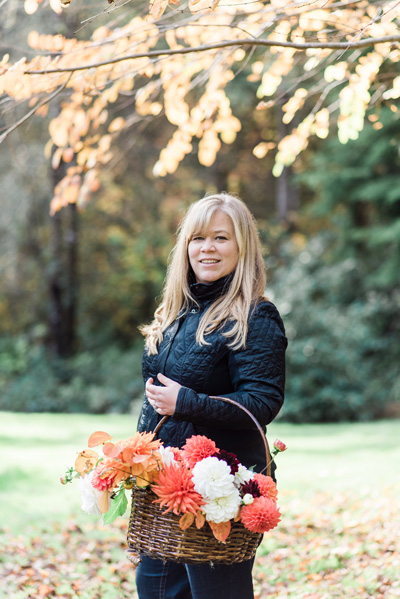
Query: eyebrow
[[214, 232]]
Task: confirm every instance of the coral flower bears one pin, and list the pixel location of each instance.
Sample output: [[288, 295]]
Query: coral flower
[[267, 486], [279, 446], [197, 448], [175, 490], [261, 515]]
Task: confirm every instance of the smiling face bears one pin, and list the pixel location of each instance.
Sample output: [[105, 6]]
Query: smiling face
[[213, 253]]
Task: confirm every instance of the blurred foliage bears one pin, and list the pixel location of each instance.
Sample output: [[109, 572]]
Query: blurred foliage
[[339, 291], [98, 381]]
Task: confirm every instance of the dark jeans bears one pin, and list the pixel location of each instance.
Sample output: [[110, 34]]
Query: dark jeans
[[168, 580]]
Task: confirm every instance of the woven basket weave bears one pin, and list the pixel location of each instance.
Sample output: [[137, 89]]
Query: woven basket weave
[[159, 536]]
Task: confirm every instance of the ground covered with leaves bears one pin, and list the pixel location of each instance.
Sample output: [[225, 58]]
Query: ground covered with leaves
[[327, 546]]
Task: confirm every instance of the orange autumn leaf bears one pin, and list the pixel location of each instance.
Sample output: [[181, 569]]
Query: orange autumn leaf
[[200, 519], [103, 502], [221, 530], [45, 590], [107, 449], [98, 438], [86, 461], [186, 521]]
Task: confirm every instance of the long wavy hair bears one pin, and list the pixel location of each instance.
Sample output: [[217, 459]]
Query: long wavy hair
[[246, 287]]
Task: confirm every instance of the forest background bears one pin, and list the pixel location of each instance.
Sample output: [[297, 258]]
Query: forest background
[[78, 279]]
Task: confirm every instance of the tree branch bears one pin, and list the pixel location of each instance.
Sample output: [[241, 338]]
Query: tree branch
[[32, 112], [369, 41]]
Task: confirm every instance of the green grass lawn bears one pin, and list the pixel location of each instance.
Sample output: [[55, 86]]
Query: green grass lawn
[[332, 477], [36, 449]]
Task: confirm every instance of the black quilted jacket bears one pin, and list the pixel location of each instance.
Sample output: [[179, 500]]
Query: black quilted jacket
[[254, 377]]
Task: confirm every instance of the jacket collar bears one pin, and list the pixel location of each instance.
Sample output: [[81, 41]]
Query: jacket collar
[[209, 291]]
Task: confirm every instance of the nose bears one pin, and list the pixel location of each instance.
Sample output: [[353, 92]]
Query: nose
[[208, 245]]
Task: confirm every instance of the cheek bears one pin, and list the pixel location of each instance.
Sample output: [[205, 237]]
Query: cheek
[[191, 253], [234, 255]]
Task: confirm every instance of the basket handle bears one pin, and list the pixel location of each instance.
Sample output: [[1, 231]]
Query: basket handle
[[250, 415]]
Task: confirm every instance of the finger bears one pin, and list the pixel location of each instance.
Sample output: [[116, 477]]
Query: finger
[[164, 379]]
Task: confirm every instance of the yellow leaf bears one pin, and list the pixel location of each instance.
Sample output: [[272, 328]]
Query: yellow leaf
[[86, 461], [157, 8], [56, 159], [59, 132], [263, 148], [31, 6], [116, 124]]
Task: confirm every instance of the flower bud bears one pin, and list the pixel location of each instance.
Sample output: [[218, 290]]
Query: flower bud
[[63, 480], [279, 445], [248, 498]]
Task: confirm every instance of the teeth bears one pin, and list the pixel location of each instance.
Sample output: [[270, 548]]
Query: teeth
[[209, 261]]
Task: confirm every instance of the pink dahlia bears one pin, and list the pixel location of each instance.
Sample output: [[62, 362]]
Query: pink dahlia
[[197, 448], [261, 515], [106, 475], [267, 486]]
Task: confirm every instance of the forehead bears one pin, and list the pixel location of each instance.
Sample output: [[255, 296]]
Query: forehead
[[216, 220]]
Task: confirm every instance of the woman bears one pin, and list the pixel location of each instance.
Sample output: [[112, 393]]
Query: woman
[[213, 334]]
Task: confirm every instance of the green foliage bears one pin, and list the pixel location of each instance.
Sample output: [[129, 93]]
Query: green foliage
[[118, 507], [339, 293], [343, 354], [97, 381]]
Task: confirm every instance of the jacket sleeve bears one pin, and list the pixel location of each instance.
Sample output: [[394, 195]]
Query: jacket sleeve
[[257, 374]]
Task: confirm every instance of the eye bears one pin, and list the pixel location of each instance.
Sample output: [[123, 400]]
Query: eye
[[197, 238], [221, 237]]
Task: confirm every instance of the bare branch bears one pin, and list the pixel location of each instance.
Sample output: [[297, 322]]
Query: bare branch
[[369, 41], [32, 112]]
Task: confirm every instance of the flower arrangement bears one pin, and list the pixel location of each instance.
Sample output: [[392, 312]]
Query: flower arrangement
[[200, 483]]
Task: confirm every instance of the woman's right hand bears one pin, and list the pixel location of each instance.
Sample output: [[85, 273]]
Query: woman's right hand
[[163, 399]]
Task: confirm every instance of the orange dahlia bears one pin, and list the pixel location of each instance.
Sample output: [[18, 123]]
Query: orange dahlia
[[261, 515], [267, 486], [138, 453], [175, 490], [197, 448]]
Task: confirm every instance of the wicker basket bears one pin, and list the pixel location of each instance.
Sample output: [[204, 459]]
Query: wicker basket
[[158, 535]]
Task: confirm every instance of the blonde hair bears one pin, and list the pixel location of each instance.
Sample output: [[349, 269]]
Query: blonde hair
[[245, 289]]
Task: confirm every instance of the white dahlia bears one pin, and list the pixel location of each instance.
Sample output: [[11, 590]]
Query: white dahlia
[[89, 495], [212, 478], [167, 456], [223, 508], [243, 475]]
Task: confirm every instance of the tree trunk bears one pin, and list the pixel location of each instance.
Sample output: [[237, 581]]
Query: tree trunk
[[63, 277]]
